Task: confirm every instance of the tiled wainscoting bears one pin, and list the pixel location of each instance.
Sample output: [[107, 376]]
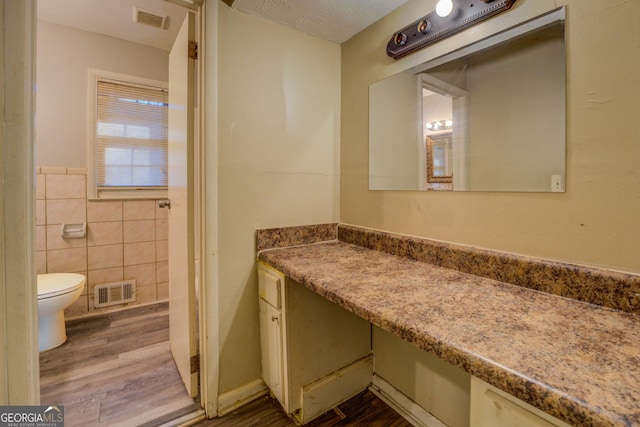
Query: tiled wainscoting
[[125, 239]]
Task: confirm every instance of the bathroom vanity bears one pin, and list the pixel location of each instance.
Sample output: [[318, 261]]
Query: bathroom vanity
[[534, 358], [315, 354]]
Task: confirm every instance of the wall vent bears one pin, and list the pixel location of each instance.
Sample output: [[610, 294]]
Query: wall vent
[[147, 17], [108, 294]]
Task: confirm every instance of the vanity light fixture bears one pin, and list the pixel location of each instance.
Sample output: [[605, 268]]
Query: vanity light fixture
[[450, 17], [444, 8]]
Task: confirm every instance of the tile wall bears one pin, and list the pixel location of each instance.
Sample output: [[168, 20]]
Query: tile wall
[[125, 239]]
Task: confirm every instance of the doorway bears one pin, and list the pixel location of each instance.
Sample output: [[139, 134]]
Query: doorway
[[122, 238]]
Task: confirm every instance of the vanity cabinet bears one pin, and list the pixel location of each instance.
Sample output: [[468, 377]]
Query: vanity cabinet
[[492, 407], [315, 354], [270, 303]]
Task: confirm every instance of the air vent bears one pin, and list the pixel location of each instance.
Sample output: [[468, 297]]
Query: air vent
[[153, 19], [108, 294]]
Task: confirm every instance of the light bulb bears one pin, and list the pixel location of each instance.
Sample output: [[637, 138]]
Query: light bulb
[[437, 125], [444, 8], [429, 126], [448, 123]]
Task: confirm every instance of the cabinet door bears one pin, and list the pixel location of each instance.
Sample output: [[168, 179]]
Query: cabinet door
[[271, 343]]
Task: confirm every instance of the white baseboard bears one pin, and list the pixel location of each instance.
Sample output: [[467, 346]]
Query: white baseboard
[[403, 405], [239, 396]]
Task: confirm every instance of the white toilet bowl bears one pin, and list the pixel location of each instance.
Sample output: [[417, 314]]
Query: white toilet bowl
[[56, 291]]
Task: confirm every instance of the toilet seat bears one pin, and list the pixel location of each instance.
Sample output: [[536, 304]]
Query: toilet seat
[[56, 284]]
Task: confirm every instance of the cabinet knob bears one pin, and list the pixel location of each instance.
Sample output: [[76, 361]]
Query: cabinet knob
[[274, 318]]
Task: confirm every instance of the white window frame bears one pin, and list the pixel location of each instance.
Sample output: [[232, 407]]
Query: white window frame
[[93, 192]]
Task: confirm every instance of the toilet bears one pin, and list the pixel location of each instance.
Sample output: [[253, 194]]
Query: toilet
[[56, 291]]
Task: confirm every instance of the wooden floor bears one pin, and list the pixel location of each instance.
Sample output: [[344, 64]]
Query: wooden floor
[[115, 369], [364, 409]]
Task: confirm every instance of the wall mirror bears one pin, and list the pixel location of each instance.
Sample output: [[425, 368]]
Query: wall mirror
[[487, 117]]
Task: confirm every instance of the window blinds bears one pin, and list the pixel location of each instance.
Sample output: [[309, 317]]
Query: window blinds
[[131, 136]]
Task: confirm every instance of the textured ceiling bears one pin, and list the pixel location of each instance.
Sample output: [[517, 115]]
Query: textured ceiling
[[333, 20]]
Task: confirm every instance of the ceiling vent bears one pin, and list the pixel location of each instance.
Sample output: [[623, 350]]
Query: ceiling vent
[[147, 17]]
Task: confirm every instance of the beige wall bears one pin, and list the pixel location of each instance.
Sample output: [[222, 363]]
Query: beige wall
[[595, 221], [64, 56], [278, 154], [440, 388]]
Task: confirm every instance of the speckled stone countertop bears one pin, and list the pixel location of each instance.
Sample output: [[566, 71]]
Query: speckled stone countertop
[[576, 361]]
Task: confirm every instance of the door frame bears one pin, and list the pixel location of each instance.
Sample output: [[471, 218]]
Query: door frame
[[19, 375], [206, 146]]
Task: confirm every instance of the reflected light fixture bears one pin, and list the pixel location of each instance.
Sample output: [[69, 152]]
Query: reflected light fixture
[[439, 125]]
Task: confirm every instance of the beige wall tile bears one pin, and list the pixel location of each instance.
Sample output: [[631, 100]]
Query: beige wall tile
[[41, 262], [162, 290], [55, 240], [105, 275], [104, 211], [104, 233], [139, 253], [67, 260], [162, 250], [145, 294], [94, 310], [139, 231], [76, 171], [41, 238], [66, 187], [41, 212], [66, 211], [161, 213], [56, 170], [143, 209], [40, 186], [104, 256], [162, 229], [145, 274], [162, 271]]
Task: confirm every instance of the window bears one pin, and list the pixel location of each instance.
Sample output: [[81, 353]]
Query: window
[[129, 129]]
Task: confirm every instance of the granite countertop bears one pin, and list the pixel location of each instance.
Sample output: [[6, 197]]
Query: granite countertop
[[576, 361]]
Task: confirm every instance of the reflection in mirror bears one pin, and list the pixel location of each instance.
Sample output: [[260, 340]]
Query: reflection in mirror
[[439, 161], [488, 117]]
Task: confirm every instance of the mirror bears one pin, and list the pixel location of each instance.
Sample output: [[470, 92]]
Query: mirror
[[487, 117]]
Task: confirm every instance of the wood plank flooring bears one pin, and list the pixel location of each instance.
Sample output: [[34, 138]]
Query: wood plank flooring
[[117, 370], [114, 369], [365, 409]]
